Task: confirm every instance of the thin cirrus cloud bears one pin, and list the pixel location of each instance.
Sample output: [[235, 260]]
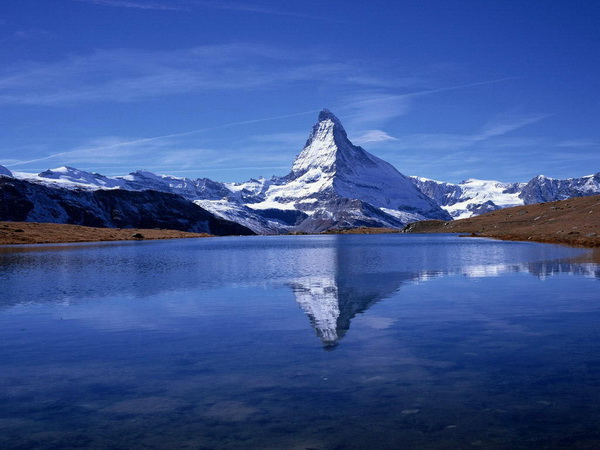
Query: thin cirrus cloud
[[376, 108], [133, 4], [251, 8], [122, 146], [577, 143], [505, 124], [495, 130], [277, 141], [373, 136], [190, 5], [128, 75], [451, 152]]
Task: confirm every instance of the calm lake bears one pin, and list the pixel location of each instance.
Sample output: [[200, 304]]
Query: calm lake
[[300, 342]]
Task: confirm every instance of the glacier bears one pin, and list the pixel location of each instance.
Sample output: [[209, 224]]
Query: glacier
[[473, 197]]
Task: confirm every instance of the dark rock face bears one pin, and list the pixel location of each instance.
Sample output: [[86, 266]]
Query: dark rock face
[[483, 208], [542, 189], [443, 194], [346, 213], [14, 206], [30, 202], [288, 217]]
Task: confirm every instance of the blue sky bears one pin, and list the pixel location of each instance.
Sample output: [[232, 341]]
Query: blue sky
[[446, 89]]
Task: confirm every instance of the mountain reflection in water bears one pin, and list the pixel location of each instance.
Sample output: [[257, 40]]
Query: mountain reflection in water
[[440, 342], [332, 302], [333, 278]]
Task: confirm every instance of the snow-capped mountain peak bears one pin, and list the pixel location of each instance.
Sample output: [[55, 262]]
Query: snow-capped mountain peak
[[327, 139], [68, 176], [336, 182], [4, 171]]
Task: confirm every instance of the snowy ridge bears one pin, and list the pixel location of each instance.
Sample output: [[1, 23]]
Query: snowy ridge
[[471, 197], [543, 189], [242, 214], [332, 184]]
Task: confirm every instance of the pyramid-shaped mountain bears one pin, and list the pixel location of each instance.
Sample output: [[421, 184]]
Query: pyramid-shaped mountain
[[339, 185], [332, 184]]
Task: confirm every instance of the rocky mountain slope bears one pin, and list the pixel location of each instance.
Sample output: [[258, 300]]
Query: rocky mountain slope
[[543, 189], [23, 201]]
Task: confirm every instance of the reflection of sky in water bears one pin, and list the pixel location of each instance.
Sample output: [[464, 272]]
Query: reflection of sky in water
[[443, 342], [146, 268]]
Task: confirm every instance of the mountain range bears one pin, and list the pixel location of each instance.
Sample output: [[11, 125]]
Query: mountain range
[[332, 184]]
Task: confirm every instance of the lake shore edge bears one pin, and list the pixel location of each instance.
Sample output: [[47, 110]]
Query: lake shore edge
[[574, 222], [26, 233]]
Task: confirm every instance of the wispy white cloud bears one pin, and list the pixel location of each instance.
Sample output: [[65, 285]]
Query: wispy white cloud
[[577, 143], [277, 138], [253, 8], [502, 125], [373, 136], [376, 108], [116, 156], [130, 75], [23, 35], [373, 109], [491, 131], [265, 148], [171, 150], [133, 4], [127, 75], [190, 5], [100, 150], [497, 147]]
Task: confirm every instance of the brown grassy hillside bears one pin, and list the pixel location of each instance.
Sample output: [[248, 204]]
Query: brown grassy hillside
[[573, 222], [54, 233]]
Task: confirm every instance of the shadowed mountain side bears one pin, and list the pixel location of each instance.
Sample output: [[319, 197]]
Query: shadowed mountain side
[[23, 201]]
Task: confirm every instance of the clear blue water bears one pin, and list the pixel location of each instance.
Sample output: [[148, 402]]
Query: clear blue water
[[300, 342]]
